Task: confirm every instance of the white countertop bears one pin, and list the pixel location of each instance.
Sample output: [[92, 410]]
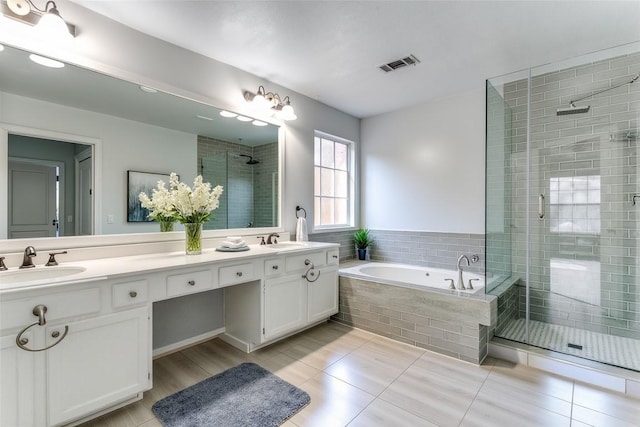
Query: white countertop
[[103, 269]]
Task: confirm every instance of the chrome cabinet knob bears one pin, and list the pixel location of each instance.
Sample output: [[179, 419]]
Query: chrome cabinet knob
[[55, 334], [239, 273], [133, 294], [275, 267], [191, 282]]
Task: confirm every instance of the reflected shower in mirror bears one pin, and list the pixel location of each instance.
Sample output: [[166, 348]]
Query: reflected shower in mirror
[[249, 174]]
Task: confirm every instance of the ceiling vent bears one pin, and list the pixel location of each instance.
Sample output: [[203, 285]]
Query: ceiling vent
[[399, 63]]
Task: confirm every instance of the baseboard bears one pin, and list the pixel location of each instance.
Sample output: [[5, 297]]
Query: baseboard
[[590, 372], [189, 342], [235, 342]]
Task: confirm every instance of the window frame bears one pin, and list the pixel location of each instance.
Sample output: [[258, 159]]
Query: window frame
[[352, 189]]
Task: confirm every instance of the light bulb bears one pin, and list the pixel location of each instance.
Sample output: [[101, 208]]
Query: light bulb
[[52, 26]]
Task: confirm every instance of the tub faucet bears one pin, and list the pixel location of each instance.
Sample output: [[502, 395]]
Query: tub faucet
[[27, 261], [460, 281]]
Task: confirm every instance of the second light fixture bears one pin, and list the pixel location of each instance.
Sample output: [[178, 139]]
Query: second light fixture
[[263, 100]]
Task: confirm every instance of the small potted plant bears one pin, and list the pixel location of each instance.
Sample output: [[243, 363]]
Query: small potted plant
[[362, 240]]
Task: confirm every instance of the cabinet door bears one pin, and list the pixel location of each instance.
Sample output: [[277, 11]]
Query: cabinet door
[[322, 295], [17, 385], [284, 306], [102, 361]]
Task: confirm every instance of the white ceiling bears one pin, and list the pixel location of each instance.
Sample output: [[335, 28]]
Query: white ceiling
[[330, 50]]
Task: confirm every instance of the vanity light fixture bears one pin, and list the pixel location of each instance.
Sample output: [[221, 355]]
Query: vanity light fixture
[[265, 101], [225, 113], [47, 62], [47, 21]]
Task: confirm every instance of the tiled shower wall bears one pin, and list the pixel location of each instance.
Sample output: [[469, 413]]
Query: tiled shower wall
[[586, 166], [437, 250], [251, 187]]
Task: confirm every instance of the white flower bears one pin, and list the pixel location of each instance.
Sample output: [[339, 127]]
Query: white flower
[[160, 205], [180, 202], [194, 205]]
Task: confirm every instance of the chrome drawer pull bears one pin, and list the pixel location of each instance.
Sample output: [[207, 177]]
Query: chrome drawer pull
[[191, 282], [133, 294], [239, 273], [39, 310], [275, 267]]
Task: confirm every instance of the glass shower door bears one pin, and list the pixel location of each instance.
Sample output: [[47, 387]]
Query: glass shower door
[[574, 225]]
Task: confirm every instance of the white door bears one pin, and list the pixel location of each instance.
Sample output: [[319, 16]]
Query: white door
[[284, 306], [322, 297], [102, 361], [17, 388], [84, 215], [32, 200]]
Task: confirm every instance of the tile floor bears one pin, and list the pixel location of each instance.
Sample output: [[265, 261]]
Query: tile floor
[[356, 378]]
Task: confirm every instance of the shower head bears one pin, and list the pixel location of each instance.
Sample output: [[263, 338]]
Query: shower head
[[572, 110], [250, 161]]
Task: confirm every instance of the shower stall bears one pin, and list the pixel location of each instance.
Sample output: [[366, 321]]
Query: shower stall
[[563, 206]]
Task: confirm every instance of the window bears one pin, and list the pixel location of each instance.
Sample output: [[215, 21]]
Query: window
[[575, 204], [333, 200]]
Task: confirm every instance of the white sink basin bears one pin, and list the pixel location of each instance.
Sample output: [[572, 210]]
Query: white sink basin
[[287, 246], [37, 274]]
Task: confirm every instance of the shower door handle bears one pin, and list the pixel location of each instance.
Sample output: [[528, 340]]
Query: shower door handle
[[541, 206]]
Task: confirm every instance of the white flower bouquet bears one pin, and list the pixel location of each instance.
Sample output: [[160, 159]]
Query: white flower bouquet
[[194, 205], [160, 205]]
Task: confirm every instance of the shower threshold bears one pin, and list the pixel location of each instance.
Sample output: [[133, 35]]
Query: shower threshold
[[609, 349]]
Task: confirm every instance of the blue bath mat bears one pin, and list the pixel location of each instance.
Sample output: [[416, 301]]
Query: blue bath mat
[[244, 396]]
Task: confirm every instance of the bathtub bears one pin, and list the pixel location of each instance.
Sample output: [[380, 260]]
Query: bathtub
[[411, 276]]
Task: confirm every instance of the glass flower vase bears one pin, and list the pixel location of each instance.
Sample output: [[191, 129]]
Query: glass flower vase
[[166, 226], [193, 238]]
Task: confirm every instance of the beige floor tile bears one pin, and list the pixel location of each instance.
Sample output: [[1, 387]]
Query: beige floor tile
[[333, 402], [530, 379], [152, 423], [617, 405], [383, 414], [312, 352], [374, 365], [289, 369], [575, 423], [599, 419], [452, 368], [487, 412], [288, 424], [216, 356], [432, 396]]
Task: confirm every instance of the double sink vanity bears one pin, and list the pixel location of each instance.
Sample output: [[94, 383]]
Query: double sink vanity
[[76, 339]]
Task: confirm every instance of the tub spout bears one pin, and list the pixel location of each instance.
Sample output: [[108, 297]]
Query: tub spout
[[460, 280]]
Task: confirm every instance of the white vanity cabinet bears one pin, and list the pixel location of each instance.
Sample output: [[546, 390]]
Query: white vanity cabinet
[[17, 383], [104, 358], [102, 361], [298, 291]]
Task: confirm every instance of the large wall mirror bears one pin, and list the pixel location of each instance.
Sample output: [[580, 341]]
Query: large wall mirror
[[69, 136]]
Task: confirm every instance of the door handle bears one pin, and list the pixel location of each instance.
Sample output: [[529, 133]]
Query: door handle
[[541, 206]]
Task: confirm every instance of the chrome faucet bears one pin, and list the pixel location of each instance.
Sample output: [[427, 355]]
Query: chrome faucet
[[27, 261], [274, 235], [460, 281]]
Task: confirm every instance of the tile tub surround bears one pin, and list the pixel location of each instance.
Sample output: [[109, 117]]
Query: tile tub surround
[[449, 324], [427, 249]]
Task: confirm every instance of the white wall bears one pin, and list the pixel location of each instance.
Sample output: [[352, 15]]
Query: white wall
[[125, 145], [108, 46], [422, 168]]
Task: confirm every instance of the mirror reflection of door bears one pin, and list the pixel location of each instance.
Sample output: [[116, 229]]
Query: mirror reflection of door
[[32, 200], [30, 193], [84, 217]]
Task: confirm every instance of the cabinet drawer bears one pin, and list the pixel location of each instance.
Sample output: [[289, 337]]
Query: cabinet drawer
[[297, 262], [19, 313], [236, 274], [333, 256], [188, 283], [273, 267], [130, 293]]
